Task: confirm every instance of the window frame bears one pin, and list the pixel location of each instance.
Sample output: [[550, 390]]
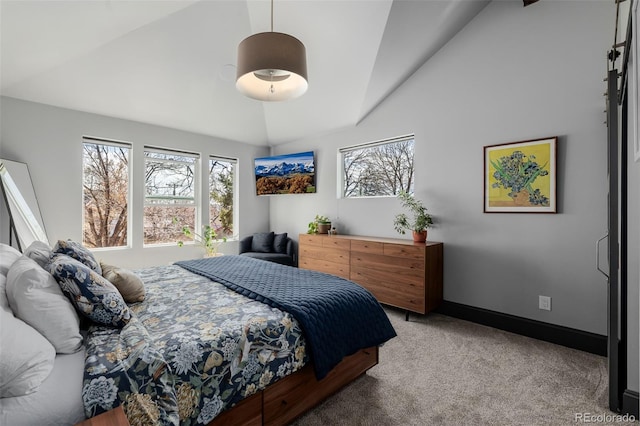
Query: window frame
[[195, 204], [94, 140], [234, 161], [341, 190]]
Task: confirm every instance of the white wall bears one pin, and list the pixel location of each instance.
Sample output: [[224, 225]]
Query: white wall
[[512, 74], [49, 140]]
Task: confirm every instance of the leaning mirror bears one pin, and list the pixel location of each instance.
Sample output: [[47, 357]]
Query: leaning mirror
[[25, 220]]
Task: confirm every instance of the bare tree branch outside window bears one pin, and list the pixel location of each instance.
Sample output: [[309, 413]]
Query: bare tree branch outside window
[[105, 194], [378, 169]]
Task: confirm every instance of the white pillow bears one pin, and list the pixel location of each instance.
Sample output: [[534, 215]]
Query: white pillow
[[8, 255], [36, 298], [40, 252], [26, 357]]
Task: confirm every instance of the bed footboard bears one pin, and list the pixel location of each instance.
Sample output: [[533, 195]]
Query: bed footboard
[[283, 401]]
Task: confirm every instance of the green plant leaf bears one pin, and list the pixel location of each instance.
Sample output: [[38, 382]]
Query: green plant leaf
[[499, 169]]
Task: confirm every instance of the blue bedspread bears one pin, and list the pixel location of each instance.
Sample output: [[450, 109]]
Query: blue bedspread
[[192, 349], [337, 316]]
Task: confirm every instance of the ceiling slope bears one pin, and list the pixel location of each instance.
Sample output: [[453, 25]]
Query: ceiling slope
[[172, 63]]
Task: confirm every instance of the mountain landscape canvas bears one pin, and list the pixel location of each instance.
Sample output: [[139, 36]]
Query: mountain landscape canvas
[[286, 174]]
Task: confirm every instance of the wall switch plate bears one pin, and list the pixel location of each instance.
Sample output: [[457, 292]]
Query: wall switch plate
[[544, 302]]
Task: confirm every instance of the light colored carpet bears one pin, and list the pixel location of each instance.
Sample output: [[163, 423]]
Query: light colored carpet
[[445, 371]]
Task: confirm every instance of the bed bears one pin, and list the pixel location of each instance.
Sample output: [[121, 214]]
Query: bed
[[205, 347]]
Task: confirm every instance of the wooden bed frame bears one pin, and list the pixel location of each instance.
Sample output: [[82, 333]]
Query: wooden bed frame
[[290, 397], [279, 403]]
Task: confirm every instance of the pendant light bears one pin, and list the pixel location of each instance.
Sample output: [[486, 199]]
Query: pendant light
[[271, 66]]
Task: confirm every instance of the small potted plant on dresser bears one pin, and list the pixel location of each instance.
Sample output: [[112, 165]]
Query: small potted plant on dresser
[[320, 225], [421, 219]]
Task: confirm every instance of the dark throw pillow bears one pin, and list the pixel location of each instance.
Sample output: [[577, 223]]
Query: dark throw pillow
[[78, 252], [280, 243], [92, 294], [262, 242]]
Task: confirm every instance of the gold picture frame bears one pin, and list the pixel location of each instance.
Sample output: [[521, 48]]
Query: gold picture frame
[[520, 177]]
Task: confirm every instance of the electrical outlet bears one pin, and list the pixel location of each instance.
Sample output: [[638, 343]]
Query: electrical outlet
[[544, 302]]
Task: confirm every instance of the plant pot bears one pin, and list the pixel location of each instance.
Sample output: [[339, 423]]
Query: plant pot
[[323, 228], [420, 237]]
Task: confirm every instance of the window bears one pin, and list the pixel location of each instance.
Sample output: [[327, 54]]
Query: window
[[382, 168], [222, 176], [105, 184], [170, 201]]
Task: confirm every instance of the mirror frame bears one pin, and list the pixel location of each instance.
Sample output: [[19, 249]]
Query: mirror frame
[[25, 218]]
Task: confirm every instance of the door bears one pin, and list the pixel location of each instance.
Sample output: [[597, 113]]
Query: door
[[616, 253]]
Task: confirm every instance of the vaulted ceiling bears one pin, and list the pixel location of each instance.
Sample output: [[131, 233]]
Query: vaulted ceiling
[[172, 63]]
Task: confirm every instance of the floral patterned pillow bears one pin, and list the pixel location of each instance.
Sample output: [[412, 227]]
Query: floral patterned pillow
[[79, 253], [92, 295]]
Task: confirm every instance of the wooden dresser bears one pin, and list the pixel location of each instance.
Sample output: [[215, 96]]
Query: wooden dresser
[[398, 272]]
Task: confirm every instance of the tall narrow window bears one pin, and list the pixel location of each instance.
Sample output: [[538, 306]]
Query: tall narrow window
[[105, 184], [170, 201], [382, 168], [222, 181]]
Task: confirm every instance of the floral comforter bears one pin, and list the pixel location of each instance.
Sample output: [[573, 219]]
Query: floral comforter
[[192, 349]]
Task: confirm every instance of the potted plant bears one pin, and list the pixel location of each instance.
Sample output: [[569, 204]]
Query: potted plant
[[421, 219], [319, 225], [208, 239]]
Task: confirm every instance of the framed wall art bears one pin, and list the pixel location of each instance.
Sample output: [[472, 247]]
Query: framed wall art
[[286, 174], [520, 177]]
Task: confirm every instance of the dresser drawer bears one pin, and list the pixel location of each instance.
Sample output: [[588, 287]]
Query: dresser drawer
[[388, 289], [331, 255], [311, 240], [367, 247], [341, 270], [406, 251], [338, 243], [397, 266], [395, 277]]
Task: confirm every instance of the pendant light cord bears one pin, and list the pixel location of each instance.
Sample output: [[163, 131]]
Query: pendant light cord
[[271, 88]]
